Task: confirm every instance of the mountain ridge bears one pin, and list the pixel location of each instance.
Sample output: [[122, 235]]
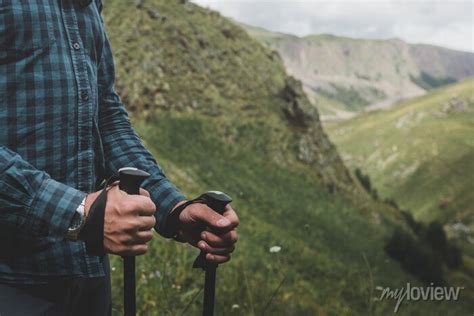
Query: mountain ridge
[[343, 75], [255, 29]]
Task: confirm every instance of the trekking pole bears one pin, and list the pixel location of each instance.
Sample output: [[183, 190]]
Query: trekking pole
[[217, 201], [130, 181]]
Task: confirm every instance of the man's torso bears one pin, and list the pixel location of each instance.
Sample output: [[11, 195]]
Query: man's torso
[[50, 51]]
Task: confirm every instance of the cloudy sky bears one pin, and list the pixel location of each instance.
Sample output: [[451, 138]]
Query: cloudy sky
[[448, 23]]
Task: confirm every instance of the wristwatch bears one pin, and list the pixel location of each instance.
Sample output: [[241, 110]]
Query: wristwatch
[[78, 221]]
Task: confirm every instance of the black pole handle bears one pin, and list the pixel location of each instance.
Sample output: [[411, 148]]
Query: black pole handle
[[217, 201], [130, 181]]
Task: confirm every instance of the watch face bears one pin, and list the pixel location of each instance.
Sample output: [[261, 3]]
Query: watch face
[[76, 221]]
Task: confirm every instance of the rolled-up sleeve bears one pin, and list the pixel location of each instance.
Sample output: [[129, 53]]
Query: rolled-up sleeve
[[31, 203]]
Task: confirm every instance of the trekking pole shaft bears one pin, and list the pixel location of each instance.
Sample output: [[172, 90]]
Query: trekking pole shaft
[[209, 290], [129, 286], [130, 181], [217, 201]]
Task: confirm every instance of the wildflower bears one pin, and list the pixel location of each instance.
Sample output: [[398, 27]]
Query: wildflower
[[235, 306], [275, 249], [176, 286], [156, 274], [113, 269]]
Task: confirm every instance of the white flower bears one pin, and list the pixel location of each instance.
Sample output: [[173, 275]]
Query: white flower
[[156, 274], [113, 268], [235, 306], [275, 249]]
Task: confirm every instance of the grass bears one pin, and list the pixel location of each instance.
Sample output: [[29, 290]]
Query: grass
[[320, 234], [207, 101], [419, 153]]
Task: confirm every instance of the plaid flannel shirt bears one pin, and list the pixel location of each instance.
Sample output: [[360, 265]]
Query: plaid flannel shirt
[[63, 130]]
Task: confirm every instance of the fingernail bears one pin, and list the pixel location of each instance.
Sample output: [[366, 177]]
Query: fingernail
[[203, 235], [202, 245], [223, 222], [210, 257]]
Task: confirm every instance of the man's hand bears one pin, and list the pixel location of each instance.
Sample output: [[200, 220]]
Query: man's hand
[[128, 221], [209, 231]]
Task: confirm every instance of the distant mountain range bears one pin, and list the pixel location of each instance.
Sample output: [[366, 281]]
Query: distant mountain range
[[344, 75]]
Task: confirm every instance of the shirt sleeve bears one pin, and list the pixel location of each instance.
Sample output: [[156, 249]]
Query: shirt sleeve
[[31, 203], [122, 146]]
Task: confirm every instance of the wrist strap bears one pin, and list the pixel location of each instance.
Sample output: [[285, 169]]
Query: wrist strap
[[171, 227], [92, 233]]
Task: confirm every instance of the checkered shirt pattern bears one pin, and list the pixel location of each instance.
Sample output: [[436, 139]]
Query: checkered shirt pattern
[[63, 130]]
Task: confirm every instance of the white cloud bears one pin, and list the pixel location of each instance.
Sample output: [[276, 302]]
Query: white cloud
[[447, 23]]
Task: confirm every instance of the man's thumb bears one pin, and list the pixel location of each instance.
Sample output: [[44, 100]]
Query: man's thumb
[[213, 219]]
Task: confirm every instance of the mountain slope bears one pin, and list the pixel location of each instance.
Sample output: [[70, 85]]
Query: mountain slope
[[219, 112], [421, 153], [358, 73]]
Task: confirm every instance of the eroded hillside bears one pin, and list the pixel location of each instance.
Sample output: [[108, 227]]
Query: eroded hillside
[[344, 75]]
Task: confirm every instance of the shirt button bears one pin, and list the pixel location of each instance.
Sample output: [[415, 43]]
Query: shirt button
[[76, 46], [84, 96]]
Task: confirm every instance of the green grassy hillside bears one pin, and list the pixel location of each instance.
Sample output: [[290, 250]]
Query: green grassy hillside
[[420, 153], [219, 112]]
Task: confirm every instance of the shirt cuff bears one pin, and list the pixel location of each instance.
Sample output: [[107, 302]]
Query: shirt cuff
[[166, 196], [52, 209]]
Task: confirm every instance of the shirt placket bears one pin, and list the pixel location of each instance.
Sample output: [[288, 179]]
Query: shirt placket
[[84, 102], [84, 99]]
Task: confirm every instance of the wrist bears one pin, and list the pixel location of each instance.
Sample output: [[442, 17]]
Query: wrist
[[177, 205], [90, 199], [172, 223], [80, 216], [77, 222]]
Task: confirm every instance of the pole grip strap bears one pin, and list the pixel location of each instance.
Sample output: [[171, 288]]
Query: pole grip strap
[[93, 231], [171, 227]]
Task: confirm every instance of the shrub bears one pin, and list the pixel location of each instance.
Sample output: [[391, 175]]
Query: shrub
[[453, 257], [411, 222], [415, 257], [436, 237], [366, 183]]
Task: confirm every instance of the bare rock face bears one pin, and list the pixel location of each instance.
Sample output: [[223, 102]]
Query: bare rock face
[[455, 105], [311, 151], [299, 111], [315, 149], [314, 146]]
